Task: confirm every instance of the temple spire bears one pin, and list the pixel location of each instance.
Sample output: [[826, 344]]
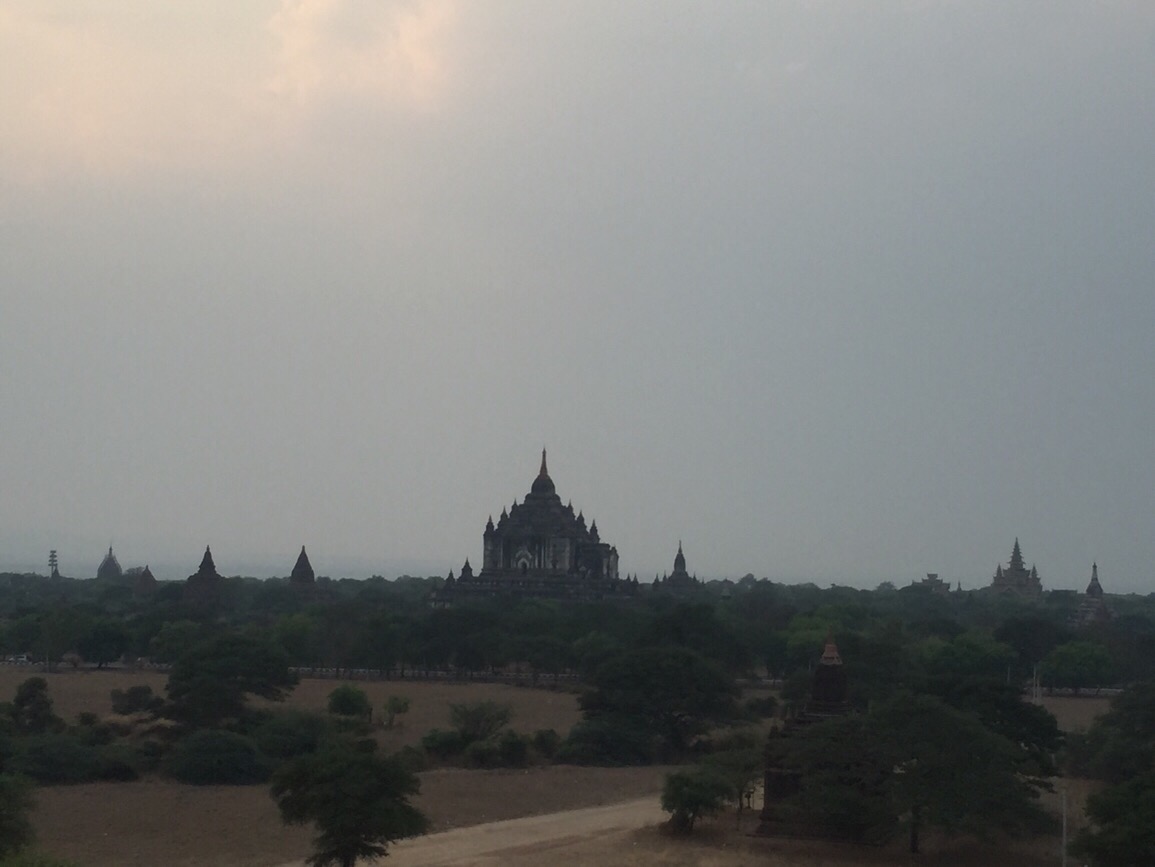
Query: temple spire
[[1017, 557], [207, 564], [543, 471]]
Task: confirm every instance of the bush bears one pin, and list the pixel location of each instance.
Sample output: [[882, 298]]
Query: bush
[[395, 705], [483, 754], [607, 741], [546, 742], [286, 734], [760, 707], [479, 721], [348, 700], [411, 759], [689, 795], [135, 699], [54, 759], [15, 804], [212, 756], [513, 749], [443, 744]]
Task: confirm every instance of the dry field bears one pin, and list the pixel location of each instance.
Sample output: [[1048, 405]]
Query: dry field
[[157, 822]]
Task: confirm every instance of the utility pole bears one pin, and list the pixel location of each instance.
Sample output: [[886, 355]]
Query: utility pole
[[52, 563]]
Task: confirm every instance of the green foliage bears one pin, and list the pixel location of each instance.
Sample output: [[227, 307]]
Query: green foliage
[[54, 758], [216, 757], [512, 749], [1123, 829], [395, 706], [1077, 665], [105, 641], [1121, 743], [689, 795], [210, 682], [673, 691], [914, 756], [609, 741], [358, 801], [136, 699], [349, 700], [286, 733], [32, 708], [480, 720], [546, 742], [443, 744], [15, 804]]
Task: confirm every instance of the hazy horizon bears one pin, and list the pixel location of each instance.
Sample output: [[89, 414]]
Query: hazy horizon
[[829, 292]]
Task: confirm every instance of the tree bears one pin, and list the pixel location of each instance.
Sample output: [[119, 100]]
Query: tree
[[106, 641], [690, 795], [1123, 829], [1077, 665], [480, 720], [395, 706], [913, 758], [32, 708], [740, 769], [349, 700], [15, 805], [671, 690], [358, 801], [210, 681]]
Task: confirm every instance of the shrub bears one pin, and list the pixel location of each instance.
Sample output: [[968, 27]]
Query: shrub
[[117, 762], [483, 754], [760, 707], [15, 804], [443, 744], [395, 705], [689, 795], [348, 700], [288, 733], [54, 758], [607, 741], [135, 699], [480, 720], [212, 756], [513, 749], [411, 759], [546, 742]]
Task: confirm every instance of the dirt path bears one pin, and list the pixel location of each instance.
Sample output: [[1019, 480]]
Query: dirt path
[[500, 842]]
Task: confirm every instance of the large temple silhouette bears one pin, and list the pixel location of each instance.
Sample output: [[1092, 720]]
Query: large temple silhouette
[[540, 548], [1015, 579]]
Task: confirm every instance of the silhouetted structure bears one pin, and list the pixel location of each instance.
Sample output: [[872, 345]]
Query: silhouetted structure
[[204, 586], [145, 582], [829, 698], [540, 548], [933, 584], [109, 568], [1092, 607], [302, 574], [1016, 578], [678, 582]]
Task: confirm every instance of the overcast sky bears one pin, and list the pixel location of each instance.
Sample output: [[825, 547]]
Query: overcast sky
[[830, 291]]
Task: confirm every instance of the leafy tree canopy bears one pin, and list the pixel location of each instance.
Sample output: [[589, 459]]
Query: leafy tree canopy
[[358, 801], [210, 682]]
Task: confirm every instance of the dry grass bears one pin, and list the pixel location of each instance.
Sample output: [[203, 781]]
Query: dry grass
[[159, 822]]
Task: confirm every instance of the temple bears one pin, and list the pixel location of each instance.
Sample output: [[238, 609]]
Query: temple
[[1016, 579], [540, 548], [109, 568], [678, 582], [1093, 608], [829, 699], [204, 585], [302, 574]]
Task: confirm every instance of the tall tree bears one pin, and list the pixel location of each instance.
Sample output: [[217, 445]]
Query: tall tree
[[358, 801], [210, 682]]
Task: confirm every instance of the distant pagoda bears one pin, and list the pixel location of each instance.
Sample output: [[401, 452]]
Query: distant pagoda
[[1093, 608], [302, 574], [109, 568], [1016, 579]]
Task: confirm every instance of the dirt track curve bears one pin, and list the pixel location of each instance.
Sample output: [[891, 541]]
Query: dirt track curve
[[501, 842]]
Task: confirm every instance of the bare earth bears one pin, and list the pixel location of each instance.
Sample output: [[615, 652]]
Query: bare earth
[[580, 816]]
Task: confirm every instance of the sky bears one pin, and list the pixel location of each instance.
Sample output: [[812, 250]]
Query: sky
[[829, 291]]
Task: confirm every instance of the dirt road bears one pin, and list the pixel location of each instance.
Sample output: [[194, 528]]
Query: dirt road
[[515, 840]]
